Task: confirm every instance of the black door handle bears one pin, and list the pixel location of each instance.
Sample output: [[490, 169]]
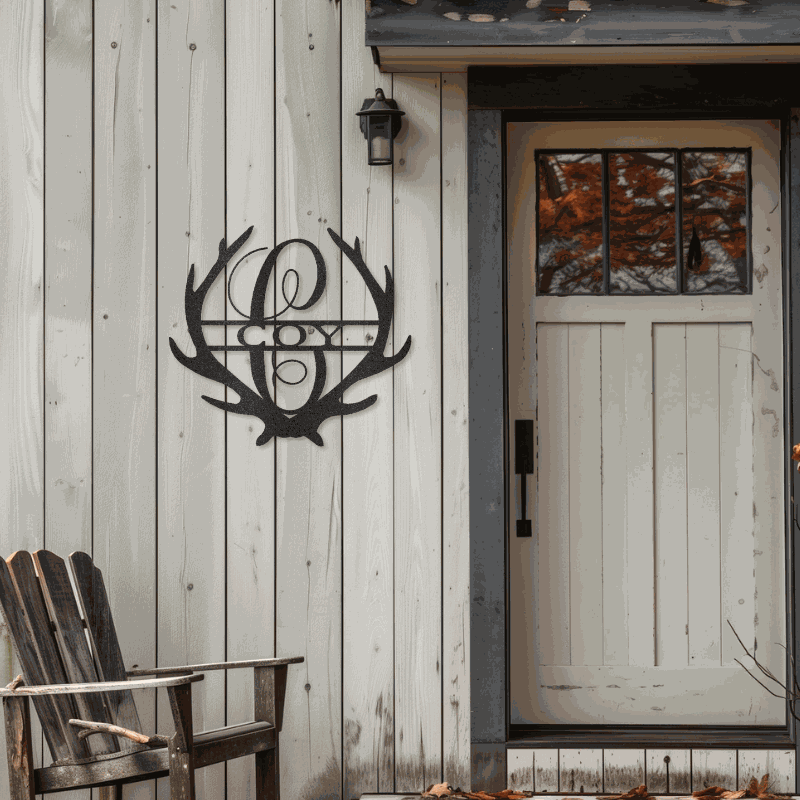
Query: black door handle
[[523, 465]]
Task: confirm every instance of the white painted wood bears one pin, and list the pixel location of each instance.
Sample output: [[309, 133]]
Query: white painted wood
[[309, 477], [736, 365], [615, 495], [668, 771], [623, 770], [418, 464], [713, 768], [368, 448], [585, 496], [68, 284], [778, 764], [21, 298], [519, 765], [552, 515], [545, 770], [456, 757], [581, 771], [686, 428], [124, 349], [250, 485], [702, 480], [191, 433], [639, 536], [671, 547]]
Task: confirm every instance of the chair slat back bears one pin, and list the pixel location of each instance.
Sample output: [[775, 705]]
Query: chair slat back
[[91, 591], [73, 645], [24, 612]]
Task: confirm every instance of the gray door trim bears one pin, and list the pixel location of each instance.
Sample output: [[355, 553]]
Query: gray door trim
[[488, 425]]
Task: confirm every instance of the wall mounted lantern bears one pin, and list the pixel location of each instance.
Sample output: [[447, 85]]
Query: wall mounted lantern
[[380, 123]]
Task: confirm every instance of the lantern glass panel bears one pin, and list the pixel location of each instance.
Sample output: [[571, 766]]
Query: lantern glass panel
[[380, 140]]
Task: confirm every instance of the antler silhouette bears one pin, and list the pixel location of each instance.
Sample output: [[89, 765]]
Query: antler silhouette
[[307, 419]]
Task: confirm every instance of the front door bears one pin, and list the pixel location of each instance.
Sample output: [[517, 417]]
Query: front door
[[645, 340]]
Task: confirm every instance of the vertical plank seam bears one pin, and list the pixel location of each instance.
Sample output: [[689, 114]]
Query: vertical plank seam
[[441, 432], [342, 19], [719, 512], [686, 468], [92, 792], [394, 513], [602, 527], [225, 395], [156, 494]]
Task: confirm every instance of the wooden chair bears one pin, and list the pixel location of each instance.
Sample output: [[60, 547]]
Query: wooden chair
[[82, 695]]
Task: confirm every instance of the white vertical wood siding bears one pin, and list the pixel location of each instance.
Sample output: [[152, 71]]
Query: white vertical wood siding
[[167, 128]]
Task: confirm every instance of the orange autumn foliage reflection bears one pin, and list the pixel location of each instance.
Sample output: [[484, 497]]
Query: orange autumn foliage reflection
[[642, 222]]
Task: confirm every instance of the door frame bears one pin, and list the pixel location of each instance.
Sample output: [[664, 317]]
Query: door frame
[[497, 95]]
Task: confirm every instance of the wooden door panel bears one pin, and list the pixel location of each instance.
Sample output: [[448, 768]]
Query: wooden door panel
[[658, 471]]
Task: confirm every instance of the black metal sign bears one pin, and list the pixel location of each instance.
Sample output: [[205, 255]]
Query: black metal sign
[[261, 333]]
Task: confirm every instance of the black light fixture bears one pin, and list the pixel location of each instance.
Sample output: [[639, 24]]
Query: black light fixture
[[380, 123]]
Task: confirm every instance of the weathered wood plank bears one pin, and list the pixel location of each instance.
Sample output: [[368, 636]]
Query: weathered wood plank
[[520, 769], [368, 447], [639, 534], [93, 599], [713, 768], [615, 495], [191, 434], [623, 770], [19, 748], [72, 645], [124, 342], [552, 518], [778, 764], [545, 770], [668, 772], [455, 439], [309, 477], [580, 771], [21, 296], [417, 458], [68, 277], [702, 481], [250, 486], [585, 496], [42, 648], [671, 547], [738, 588]]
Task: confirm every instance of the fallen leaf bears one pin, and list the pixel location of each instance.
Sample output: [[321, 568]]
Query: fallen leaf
[[439, 790]]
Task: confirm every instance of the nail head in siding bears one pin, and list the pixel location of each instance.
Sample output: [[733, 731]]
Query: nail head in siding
[[193, 46], [113, 44]]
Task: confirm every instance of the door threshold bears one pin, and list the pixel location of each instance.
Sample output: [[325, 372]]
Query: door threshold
[[649, 736]]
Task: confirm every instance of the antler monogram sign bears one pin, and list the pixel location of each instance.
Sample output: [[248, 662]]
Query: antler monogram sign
[[261, 333]]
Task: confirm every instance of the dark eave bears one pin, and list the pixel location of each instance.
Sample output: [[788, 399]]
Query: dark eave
[[564, 23]]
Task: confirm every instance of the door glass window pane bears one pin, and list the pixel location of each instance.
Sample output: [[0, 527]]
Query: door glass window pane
[[642, 223], [715, 217], [607, 222], [570, 224]]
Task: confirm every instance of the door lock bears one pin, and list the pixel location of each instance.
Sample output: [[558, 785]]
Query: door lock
[[523, 465]]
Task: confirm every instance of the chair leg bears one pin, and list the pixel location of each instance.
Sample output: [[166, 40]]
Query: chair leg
[[111, 792], [18, 746], [267, 775], [181, 745]]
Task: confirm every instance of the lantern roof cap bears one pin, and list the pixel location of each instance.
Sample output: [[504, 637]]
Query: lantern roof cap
[[381, 105]]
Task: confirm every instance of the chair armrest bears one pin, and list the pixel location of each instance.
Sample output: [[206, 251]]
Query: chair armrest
[[110, 686], [263, 662]]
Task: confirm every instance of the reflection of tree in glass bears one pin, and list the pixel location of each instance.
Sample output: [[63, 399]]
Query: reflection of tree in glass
[[715, 208], [570, 240], [642, 222]]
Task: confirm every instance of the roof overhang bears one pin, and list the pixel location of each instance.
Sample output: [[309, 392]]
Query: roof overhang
[[422, 35]]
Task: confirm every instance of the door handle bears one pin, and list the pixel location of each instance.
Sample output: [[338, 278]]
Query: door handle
[[523, 466]]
